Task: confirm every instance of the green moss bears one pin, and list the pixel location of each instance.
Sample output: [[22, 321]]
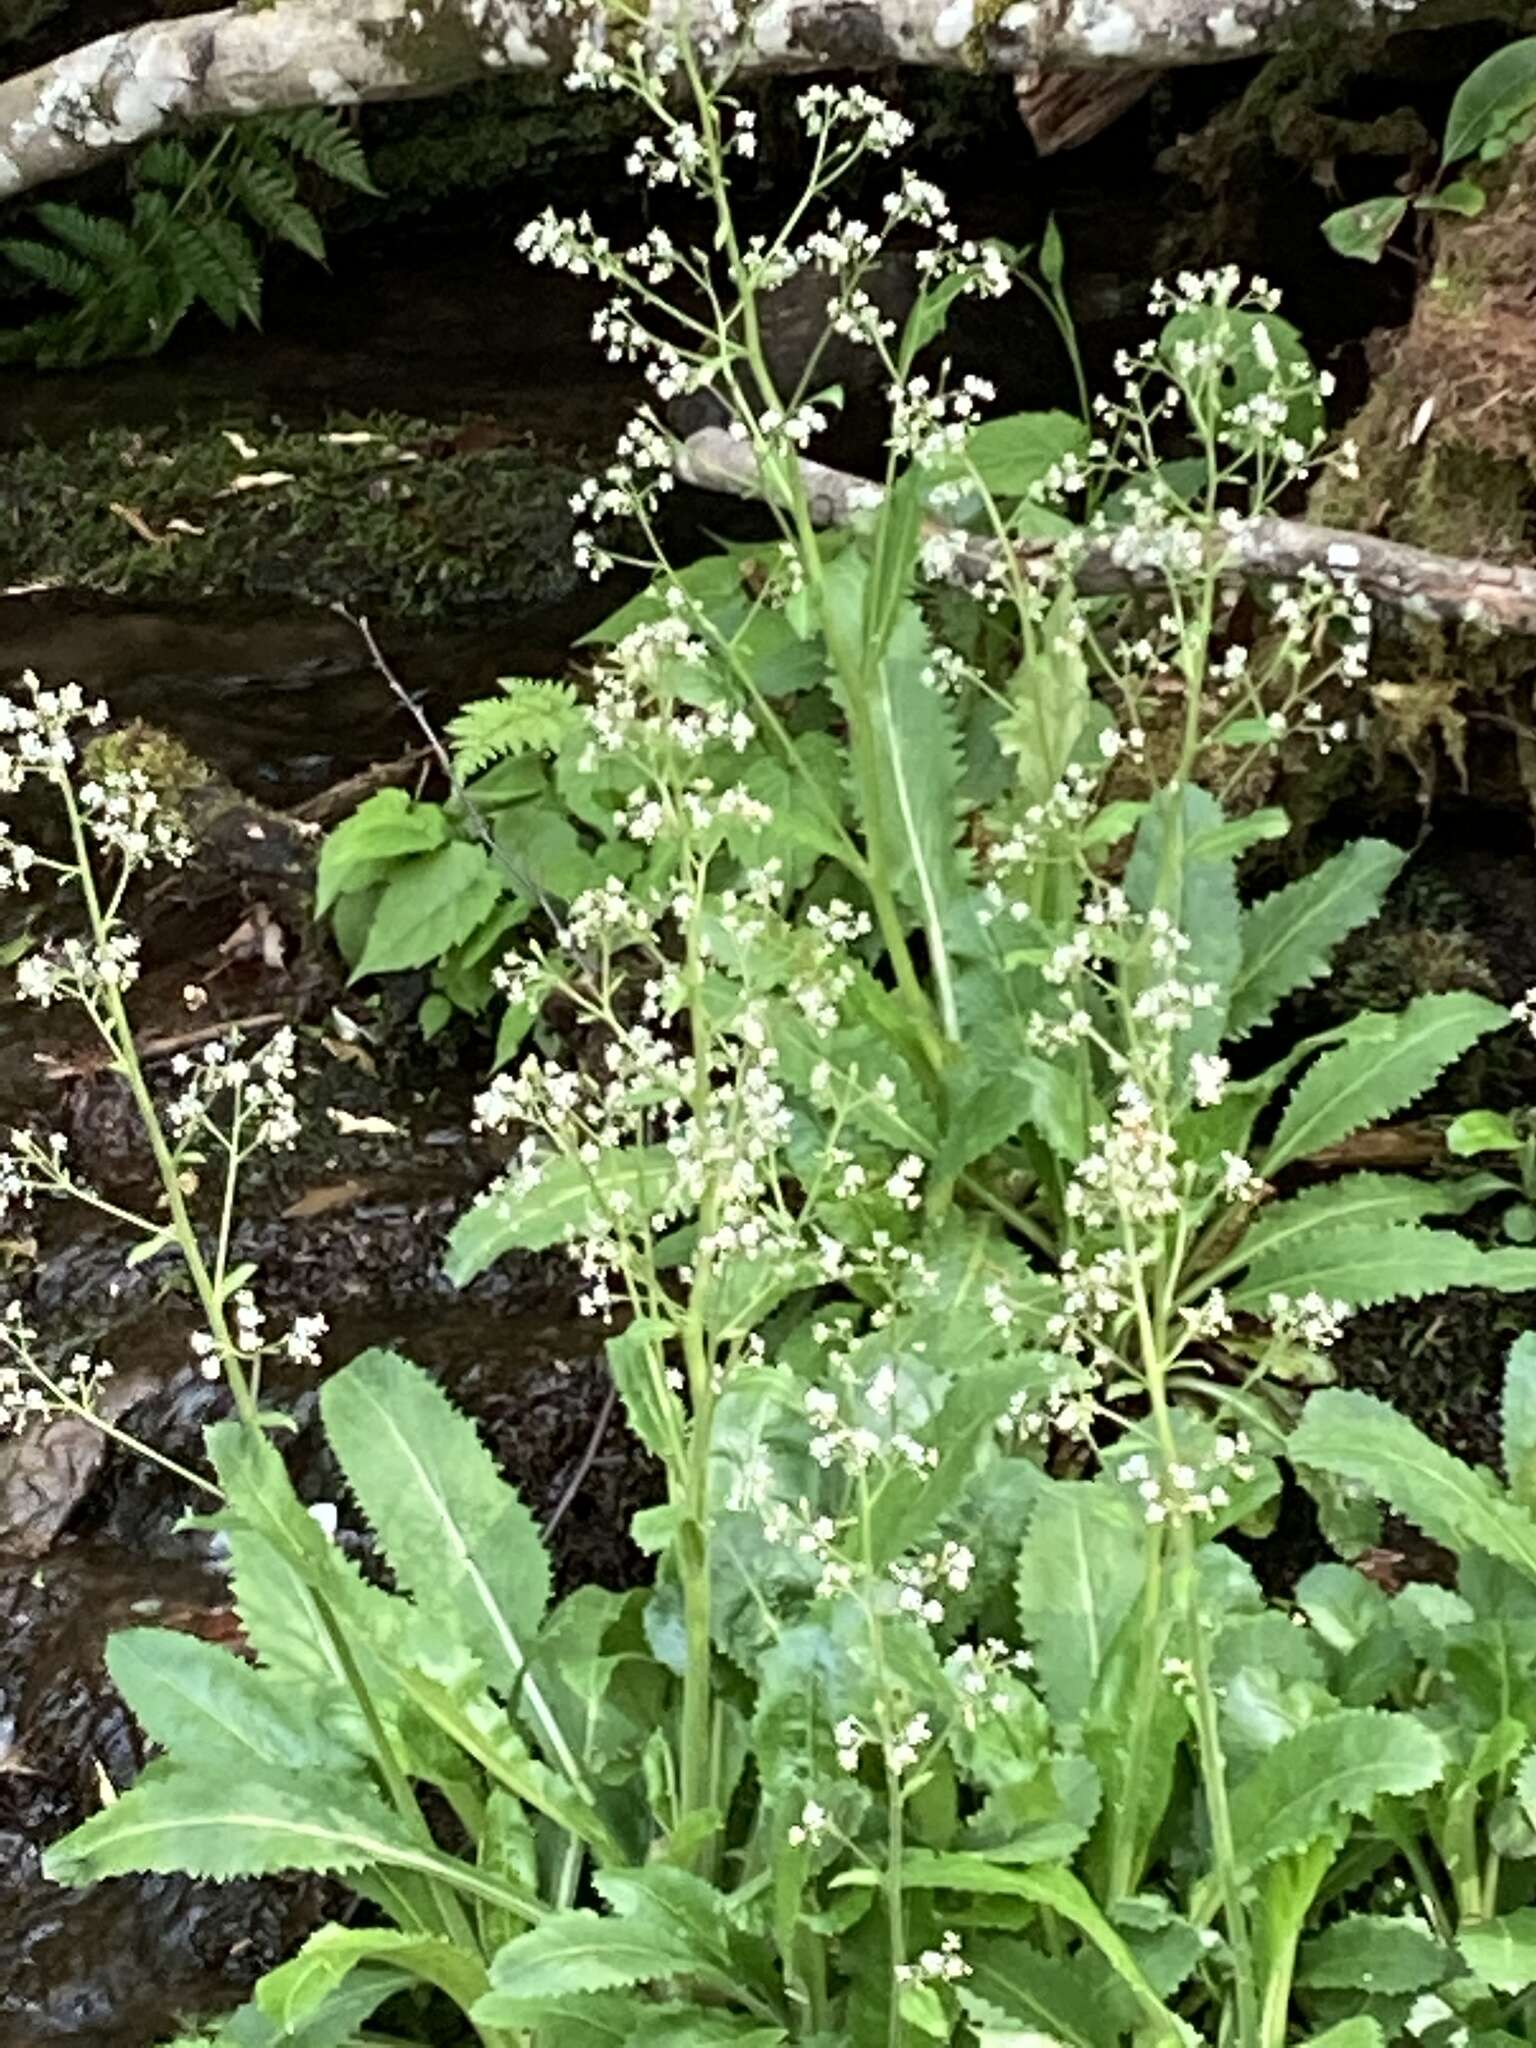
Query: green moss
[[404, 516], [19, 18], [506, 131], [170, 768]]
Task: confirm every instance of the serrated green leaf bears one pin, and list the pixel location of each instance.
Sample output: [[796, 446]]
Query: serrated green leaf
[[1289, 936], [700, 2026], [660, 1896], [430, 904], [1049, 1886], [654, 1412], [567, 1197], [1502, 1952], [452, 1529], [1518, 1416], [1397, 1262], [1081, 1568], [294, 1991], [579, 1951], [210, 1823], [1012, 1981], [205, 1705], [1362, 1439], [1382, 1063], [1360, 2032], [1048, 708], [1198, 891], [1342, 1764], [1375, 1954], [1354, 1201]]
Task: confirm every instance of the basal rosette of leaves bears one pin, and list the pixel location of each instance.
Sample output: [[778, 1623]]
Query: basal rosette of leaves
[[998, 1724]]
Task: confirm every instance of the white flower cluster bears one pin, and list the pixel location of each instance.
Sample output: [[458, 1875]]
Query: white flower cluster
[[1173, 1491], [921, 1580], [929, 423], [78, 971], [299, 1345], [942, 1965], [126, 817], [38, 736], [983, 1676], [262, 1115], [28, 1392], [1310, 1319]]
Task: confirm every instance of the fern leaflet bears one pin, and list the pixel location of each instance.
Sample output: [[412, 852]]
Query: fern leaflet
[[528, 716]]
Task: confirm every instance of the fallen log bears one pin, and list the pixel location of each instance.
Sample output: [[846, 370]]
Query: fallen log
[[108, 95], [1409, 579]]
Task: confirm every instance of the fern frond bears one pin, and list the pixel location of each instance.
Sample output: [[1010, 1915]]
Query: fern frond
[[226, 277], [71, 276], [99, 239], [167, 161], [321, 136], [266, 193], [130, 283], [527, 716]]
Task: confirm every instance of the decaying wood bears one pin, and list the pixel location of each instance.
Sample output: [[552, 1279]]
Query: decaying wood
[[1064, 109], [1409, 579], [102, 98]]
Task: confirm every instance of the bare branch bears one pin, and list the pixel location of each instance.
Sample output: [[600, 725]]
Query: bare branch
[[1409, 579], [108, 95]]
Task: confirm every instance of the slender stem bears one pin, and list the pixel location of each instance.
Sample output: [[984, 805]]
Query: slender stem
[[119, 1034]]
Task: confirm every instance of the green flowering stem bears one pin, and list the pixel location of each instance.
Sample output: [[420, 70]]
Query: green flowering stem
[[1156, 1349], [117, 1029]]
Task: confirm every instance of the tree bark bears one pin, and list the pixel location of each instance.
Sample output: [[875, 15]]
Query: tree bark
[[1412, 580], [103, 98]]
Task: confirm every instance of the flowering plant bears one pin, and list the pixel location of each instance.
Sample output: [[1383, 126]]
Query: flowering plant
[[903, 1124]]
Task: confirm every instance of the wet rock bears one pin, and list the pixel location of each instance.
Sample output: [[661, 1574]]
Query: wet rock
[[110, 1967], [44, 1475]]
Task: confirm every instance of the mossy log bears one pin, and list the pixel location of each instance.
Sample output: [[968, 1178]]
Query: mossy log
[[96, 101]]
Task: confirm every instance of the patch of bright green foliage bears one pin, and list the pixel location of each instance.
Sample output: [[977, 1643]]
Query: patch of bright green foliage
[[1381, 1728], [381, 510], [1493, 112]]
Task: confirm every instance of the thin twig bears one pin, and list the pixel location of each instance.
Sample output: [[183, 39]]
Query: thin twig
[[329, 804], [586, 1461], [439, 752], [158, 1048]]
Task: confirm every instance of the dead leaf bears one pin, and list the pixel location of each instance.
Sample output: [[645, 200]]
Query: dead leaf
[[1383, 1568], [320, 1201], [350, 1054], [259, 937], [351, 1126], [140, 525], [258, 480]]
